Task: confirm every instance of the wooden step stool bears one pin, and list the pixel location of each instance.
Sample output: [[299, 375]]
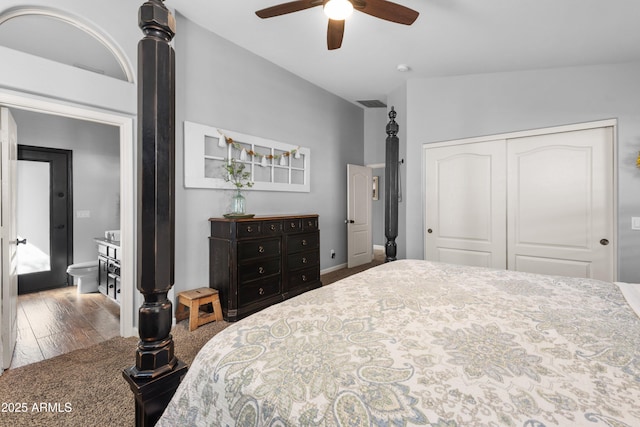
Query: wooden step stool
[[193, 300]]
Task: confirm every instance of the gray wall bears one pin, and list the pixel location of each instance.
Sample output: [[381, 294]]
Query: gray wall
[[96, 171], [442, 109], [220, 84], [375, 123]]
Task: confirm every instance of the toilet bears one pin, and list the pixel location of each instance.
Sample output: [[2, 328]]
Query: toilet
[[85, 276]]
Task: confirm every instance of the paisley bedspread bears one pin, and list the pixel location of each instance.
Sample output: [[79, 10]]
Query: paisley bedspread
[[420, 343]]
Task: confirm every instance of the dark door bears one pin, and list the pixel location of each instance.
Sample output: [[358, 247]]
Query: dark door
[[45, 222]]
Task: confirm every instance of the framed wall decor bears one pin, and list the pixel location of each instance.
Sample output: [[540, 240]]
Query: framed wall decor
[[274, 165]]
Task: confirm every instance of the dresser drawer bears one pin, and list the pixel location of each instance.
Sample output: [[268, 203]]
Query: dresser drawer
[[258, 269], [303, 277], [258, 249], [302, 242], [303, 259], [257, 290], [293, 225], [272, 228], [310, 224], [248, 229]]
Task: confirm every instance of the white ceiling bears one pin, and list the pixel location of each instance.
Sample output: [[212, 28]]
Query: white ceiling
[[450, 37]]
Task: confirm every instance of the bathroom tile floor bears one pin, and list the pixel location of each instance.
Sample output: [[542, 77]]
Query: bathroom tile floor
[[58, 321]]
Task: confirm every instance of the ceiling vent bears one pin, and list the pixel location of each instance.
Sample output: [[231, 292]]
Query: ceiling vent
[[372, 103]]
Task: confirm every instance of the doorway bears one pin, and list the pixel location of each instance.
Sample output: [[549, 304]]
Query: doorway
[[56, 321], [359, 199], [110, 101], [44, 218]]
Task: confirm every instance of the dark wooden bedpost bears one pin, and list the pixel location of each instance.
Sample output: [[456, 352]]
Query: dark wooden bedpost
[[391, 188], [157, 372]]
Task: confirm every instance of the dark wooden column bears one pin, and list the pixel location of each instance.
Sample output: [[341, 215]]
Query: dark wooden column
[[391, 188], [157, 372]]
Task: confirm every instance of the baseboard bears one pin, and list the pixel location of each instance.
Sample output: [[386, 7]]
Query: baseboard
[[332, 269], [378, 248]]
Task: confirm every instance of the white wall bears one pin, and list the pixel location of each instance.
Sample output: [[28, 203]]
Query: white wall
[[117, 20], [442, 109], [96, 171], [220, 84]]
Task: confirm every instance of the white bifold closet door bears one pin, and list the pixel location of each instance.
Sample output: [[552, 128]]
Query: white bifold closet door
[[541, 204]]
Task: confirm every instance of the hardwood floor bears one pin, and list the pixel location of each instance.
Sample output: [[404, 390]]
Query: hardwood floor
[[58, 321]]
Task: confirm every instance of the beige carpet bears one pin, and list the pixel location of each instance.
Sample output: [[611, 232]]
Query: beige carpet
[[86, 388]]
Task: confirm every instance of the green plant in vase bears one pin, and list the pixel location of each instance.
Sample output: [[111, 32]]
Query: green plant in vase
[[236, 174]]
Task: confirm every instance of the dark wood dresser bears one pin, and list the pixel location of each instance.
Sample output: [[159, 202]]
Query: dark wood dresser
[[256, 262]]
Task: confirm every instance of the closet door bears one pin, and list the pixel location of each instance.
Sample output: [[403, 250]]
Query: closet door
[[560, 193], [465, 206]]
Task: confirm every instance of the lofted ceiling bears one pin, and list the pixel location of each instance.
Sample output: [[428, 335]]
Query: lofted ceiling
[[450, 37]]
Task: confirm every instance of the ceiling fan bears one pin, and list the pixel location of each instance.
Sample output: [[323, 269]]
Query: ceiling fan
[[339, 10]]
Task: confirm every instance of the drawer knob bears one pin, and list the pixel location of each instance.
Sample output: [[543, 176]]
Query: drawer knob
[[261, 291], [261, 270], [273, 227], [304, 260], [261, 249], [249, 229], [293, 225], [304, 242], [304, 278]]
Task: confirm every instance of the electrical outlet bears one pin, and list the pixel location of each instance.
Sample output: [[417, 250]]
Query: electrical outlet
[[333, 253]]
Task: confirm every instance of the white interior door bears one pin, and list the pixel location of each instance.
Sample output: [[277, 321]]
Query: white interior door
[[561, 204], [359, 196], [465, 204], [8, 236]]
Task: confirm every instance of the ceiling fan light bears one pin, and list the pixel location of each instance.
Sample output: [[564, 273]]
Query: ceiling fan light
[[338, 10]]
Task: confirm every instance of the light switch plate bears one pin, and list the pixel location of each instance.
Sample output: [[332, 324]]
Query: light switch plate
[[83, 214], [635, 223]]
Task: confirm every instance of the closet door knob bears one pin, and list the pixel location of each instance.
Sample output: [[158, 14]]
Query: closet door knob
[[429, 231], [604, 242]]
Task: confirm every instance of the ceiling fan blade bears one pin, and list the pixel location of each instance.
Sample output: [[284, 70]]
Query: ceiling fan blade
[[387, 10], [284, 8], [334, 34]]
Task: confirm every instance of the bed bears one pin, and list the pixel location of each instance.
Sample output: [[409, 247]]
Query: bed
[[422, 343]]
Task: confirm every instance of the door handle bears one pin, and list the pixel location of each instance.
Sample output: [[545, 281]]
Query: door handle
[[23, 242], [349, 221], [60, 227], [604, 242]]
